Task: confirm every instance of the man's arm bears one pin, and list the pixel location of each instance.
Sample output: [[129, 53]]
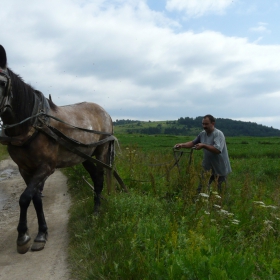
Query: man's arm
[[187, 145], [209, 148]]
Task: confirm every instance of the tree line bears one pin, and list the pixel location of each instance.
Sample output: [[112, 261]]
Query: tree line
[[190, 126]]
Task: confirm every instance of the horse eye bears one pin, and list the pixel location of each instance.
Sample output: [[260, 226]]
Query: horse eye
[[2, 84]]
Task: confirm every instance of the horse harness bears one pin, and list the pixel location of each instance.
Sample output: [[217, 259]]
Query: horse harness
[[41, 119]]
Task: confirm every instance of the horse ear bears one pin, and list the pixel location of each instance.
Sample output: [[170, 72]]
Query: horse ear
[[3, 57]]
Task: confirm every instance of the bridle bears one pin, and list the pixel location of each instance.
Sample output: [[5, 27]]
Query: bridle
[[5, 81]]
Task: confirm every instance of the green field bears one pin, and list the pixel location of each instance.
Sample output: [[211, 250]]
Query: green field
[[162, 230]]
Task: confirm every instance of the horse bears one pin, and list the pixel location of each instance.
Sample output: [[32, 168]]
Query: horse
[[41, 136]]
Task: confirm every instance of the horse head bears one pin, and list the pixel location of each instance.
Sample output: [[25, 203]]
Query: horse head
[[16, 97], [5, 82]]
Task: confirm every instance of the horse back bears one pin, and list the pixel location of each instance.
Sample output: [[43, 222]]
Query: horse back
[[84, 115]]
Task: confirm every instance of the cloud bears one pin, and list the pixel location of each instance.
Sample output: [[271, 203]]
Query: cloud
[[260, 28], [197, 8], [129, 59]]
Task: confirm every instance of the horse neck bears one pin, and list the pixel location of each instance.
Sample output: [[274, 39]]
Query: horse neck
[[22, 103]]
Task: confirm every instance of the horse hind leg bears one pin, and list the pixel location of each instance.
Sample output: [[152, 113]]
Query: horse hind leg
[[97, 175]]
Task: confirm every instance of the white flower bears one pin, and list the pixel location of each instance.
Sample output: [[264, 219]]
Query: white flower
[[258, 202], [267, 222], [271, 206], [204, 195]]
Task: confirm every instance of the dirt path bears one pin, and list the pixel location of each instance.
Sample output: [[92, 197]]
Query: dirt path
[[50, 263]]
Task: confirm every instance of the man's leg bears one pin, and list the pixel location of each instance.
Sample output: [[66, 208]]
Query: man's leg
[[221, 180]]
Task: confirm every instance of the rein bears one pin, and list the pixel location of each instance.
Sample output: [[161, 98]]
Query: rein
[[71, 145], [57, 119]]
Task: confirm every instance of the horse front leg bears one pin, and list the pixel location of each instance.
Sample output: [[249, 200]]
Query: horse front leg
[[32, 192], [23, 240], [41, 238]]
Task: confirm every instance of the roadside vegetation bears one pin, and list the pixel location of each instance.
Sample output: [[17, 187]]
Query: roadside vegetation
[[162, 230], [3, 152]]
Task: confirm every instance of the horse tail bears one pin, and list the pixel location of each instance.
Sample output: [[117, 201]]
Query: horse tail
[[110, 162]]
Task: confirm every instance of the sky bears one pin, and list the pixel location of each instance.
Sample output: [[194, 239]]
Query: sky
[[150, 59]]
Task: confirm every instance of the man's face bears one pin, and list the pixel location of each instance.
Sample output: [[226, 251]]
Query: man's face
[[207, 125]]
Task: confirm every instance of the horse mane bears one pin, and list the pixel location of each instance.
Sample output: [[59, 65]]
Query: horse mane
[[23, 99]]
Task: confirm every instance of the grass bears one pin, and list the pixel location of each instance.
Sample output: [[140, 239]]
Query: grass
[[3, 152], [161, 230]]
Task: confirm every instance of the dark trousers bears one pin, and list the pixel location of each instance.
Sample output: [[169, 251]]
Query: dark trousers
[[215, 178]]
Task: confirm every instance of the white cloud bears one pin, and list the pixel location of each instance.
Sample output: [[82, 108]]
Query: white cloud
[[260, 28], [197, 8], [128, 59]]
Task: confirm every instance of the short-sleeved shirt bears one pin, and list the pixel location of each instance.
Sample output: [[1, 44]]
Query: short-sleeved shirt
[[218, 163]]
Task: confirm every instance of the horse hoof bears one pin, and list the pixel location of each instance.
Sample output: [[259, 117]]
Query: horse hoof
[[40, 241], [38, 246], [23, 244]]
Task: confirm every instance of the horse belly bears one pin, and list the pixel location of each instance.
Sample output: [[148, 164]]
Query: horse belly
[[66, 158]]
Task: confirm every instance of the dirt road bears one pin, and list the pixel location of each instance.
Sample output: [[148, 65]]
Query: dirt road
[[50, 263]]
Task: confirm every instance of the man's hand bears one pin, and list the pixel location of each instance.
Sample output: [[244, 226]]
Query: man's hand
[[177, 146], [198, 146]]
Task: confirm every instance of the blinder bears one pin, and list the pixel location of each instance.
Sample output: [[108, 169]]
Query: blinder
[[6, 80]]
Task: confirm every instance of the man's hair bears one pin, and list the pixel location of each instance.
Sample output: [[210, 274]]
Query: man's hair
[[210, 117]]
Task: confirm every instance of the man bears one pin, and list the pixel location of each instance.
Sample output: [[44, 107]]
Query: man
[[215, 158]]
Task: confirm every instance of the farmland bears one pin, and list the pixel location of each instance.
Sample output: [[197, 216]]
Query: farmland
[[162, 230]]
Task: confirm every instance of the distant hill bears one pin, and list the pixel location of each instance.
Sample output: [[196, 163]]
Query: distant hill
[[192, 126]]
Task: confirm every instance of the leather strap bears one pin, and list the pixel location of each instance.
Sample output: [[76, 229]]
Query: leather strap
[[70, 145]]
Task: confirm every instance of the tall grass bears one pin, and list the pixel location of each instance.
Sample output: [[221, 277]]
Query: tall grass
[[3, 152], [162, 229]]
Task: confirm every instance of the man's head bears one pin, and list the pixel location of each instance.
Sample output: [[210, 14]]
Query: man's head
[[208, 123]]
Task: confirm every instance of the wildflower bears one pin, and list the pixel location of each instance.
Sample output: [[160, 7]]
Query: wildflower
[[217, 206], [204, 195], [267, 222], [234, 221], [217, 196], [258, 202], [206, 212], [271, 206], [268, 225], [226, 213]]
